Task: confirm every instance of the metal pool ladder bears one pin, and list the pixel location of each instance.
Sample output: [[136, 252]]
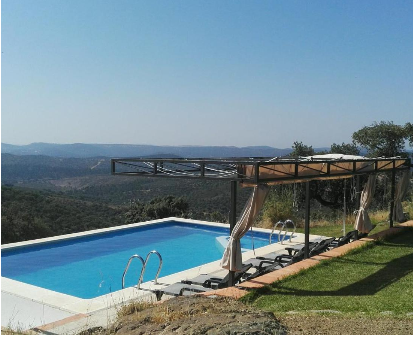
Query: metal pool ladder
[[284, 226], [144, 263]]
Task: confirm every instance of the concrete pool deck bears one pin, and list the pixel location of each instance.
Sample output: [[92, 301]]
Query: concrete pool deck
[[26, 306]]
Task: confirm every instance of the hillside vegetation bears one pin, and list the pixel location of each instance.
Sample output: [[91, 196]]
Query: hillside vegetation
[[27, 215], [30, 214], [90, 179], [20, 169]]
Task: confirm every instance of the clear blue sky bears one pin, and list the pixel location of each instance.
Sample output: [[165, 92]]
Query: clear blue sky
[[203, 72]]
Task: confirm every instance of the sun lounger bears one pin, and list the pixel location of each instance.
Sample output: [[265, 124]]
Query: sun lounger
[[180, 289], [281, 257], [214, 281], [297, 247], [281, 261], [298, 256], [199, 284], [200, 279], [322, 246], [255, 262], [350, 236]]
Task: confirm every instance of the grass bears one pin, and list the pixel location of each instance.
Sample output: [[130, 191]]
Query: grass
[[10, 331], [374, 280], [133, 308], [335, 228], [163, 314]]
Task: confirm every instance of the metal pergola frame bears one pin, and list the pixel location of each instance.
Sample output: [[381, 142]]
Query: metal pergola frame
[[229, 168], [233, 169]]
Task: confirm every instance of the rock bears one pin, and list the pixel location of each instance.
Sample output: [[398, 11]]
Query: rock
[[195, 315]]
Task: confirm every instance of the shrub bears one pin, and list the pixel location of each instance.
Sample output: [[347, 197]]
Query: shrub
[[278, 206]]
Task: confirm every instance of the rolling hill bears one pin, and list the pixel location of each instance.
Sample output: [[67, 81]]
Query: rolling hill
[[80, 150]]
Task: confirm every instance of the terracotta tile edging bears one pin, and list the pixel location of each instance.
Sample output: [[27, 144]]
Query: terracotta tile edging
[[261, 281], [51, 325]]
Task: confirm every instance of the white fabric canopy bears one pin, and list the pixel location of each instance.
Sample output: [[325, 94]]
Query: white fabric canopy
[[338, 165], [232, 258], [363, 223], [401, 191], [336, 156]]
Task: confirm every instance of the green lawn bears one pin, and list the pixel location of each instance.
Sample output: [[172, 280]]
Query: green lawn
[[335, 230], [375, 280]]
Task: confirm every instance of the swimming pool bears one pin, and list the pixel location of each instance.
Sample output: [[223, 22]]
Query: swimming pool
[[91, 266]]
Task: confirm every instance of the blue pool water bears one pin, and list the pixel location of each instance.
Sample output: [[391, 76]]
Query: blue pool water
[[91, 266]]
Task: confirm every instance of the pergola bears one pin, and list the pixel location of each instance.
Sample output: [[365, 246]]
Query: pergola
[[258, 171]]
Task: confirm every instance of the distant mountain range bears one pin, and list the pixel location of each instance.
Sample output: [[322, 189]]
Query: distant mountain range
[[17, 168], [80, 150]]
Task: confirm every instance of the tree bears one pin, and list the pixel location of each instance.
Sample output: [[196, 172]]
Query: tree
[[409, 133], [279, 205], [136, 213], [384, 139], [159, 207], [345, 149], [301, 150]]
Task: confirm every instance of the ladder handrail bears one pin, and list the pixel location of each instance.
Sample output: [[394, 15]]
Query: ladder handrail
[[285, 233], [144, 267], [127, 267], [285, 225], [279, 234], [291, 222]]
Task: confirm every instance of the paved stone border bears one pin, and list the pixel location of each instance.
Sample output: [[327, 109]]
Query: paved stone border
[[261, 281]]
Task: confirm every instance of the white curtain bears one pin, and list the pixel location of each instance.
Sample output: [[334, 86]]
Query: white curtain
[[363, 223], [232, 258], [401, 191]]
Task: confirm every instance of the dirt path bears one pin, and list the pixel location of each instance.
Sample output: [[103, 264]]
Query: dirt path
[[336, 325]]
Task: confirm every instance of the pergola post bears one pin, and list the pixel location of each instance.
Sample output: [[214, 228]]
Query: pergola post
[[344, 208], [232, 222], [358, 195], [393, 187], [233, 208], [307, 221]]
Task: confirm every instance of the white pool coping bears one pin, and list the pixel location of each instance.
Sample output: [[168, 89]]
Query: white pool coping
[[21, 297]]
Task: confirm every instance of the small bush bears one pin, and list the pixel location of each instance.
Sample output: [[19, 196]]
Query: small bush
[[278, 206], [408, 209]]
